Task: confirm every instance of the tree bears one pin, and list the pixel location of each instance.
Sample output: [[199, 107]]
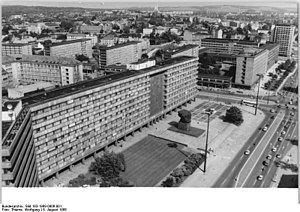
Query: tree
[[109, 166], [67, 25], [81, 58], [144, 56], [234, 115]]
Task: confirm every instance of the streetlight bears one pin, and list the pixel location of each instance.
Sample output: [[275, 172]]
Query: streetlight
[[259, 75], [208, 112]]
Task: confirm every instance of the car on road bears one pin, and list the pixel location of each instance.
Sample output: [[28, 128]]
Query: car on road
[[260, 177], [272, 117], [247, 152], [283, 133], [280, 139], [266, 163], [278, 156], [292, 114], [279, 106], [293, 108], [274, 149], [265, 129], [272, 111], [269, 157]]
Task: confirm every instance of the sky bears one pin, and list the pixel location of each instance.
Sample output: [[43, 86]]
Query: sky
[[83, 3]]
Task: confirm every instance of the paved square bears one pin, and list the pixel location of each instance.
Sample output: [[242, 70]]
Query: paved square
[[150, 160]]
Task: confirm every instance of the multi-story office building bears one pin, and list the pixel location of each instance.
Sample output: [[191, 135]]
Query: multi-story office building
[[186, 50], [124, 53], [273, 52], [227, 46], [73, 122], [16, 49], [284, 34], [74, 36], [248, 65], [70, 48], [19, 168], [30, 69]]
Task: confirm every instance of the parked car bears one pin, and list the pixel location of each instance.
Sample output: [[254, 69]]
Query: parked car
[[274, 149], [266, 163], [247, 152], [260, 177], [280, 139], [269, 157]]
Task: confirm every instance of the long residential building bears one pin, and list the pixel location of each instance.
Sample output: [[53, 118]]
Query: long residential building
[[74, 122], [227, 46], [19, 167], [124, 53], [70, 48], [273, 53], [284, 34], [30, 69], [16, 49]]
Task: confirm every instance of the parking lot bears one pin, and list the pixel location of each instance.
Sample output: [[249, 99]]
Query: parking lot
[[198, 111]]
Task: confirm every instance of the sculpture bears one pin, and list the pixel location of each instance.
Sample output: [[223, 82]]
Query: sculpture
[[185, 120]]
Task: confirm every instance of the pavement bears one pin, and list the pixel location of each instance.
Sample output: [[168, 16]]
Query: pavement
[[291, 157], [225, 146]]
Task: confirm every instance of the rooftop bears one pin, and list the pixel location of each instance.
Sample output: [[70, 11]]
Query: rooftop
[[225, 40], [54, 60], [101, 81], [70, 41], [16, 44], [119, 45], [182, 48]]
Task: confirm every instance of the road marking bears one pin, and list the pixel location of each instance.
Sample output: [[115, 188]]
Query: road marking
[[260, 153]]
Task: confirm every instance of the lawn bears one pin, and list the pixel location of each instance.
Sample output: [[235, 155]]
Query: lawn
[[150, 160]]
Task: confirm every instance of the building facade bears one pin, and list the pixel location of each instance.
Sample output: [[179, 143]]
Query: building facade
[[124, 53], [19, 167], [284, 35], [273, 53], [16, 49], [70, 48], [248, 65], [30, 69], [74, 36], [74, 122]]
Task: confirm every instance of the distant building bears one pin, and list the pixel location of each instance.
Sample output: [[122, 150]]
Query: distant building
[[147, 31], [70, 48], [90, 29], [109, 40], [73, 36], [284, 34], [16, 49], [124, 53], [214, 81], [248, 65], [140, 65], [186, 50], [195, 36], [30, 69]]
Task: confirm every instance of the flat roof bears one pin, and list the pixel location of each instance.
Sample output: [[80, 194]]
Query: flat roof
[[16, 44], [119, 45], [225, 40], [211, 76], [53, 60], [70, 41], [97, 82], [182, 48], [269, 46]]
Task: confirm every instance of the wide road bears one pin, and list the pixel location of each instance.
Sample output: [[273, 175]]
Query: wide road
[[268, 171], [227, 179]]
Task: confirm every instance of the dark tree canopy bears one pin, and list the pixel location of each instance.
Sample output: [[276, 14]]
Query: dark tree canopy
[[234, 115]]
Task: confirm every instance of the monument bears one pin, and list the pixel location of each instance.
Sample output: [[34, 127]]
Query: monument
[[185, 120]]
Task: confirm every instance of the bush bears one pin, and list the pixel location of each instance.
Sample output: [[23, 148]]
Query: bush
[[169, 182], [82, 180]]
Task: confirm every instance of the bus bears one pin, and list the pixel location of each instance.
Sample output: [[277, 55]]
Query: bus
[[253, 104]]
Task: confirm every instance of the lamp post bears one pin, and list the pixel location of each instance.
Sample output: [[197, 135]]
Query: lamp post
[[208, 113], [259, 75]]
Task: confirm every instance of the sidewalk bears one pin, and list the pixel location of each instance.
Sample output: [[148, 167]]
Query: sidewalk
[[225, 146], [291, 157]]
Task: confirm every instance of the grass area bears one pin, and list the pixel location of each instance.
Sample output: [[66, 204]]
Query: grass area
[[150, 160]]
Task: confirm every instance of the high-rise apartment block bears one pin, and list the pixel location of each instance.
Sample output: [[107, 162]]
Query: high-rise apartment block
[[284, 34], [73, 122], [29, 69], [124, 53], [70, 48], [16, 49]]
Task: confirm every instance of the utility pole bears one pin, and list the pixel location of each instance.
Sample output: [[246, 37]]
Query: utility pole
[[259, 75]]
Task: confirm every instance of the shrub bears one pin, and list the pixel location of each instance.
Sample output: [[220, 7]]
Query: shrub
[[169, 182]]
